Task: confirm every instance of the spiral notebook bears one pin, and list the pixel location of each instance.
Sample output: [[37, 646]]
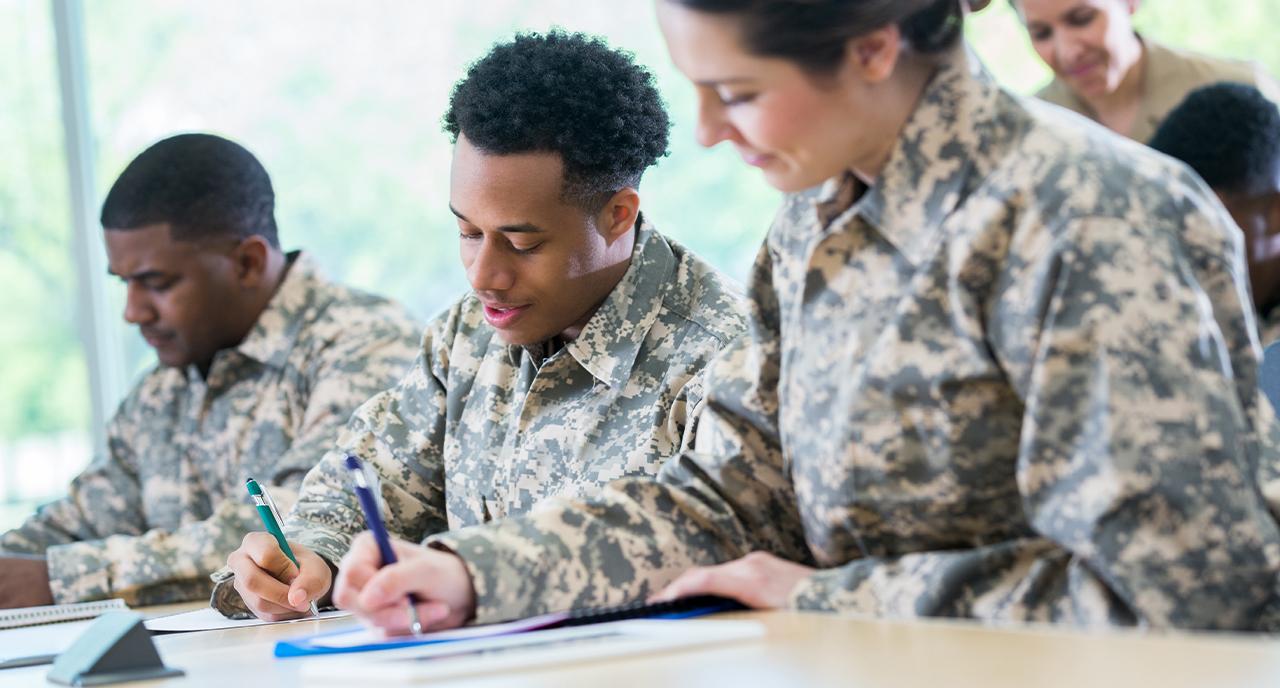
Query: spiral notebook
[[365, 640], [57, 613]]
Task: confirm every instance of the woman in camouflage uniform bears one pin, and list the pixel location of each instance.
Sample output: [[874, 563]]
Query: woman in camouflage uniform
[[999, 366]]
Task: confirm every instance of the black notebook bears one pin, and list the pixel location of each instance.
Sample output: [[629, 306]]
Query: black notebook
[[682, 608]]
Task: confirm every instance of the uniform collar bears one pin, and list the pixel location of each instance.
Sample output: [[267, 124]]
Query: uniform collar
[[277, 328], [944, 143], [610, 342]]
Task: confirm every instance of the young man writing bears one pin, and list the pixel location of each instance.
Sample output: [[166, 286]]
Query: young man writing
[[577, 358]]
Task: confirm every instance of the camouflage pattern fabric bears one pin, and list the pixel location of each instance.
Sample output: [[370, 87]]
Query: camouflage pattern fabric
[[150, 519], [1014, 380], [480, 429]]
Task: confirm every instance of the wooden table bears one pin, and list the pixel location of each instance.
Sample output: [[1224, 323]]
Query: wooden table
[[803, 650]]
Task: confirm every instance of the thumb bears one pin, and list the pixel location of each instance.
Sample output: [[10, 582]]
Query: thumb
[[311, 583]]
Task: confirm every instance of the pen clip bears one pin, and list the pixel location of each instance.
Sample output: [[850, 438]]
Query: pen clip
[[275, 513], [362, 476]]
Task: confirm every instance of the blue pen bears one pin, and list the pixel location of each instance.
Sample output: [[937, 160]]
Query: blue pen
[[373, 516]]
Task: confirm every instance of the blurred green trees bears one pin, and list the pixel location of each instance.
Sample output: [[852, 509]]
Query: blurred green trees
[[342, 101]]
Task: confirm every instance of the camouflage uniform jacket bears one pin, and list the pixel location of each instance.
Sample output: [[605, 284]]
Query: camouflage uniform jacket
[[153, 517], [1013, 380], [480, 429]]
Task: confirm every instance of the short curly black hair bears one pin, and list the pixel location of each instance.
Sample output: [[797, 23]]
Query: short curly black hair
[[202, 185], [565, 93], [1228, 133]]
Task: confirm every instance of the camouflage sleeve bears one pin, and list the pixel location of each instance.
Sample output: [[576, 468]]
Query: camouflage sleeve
[[1135, 464], [104, 498], [399, 434], [354, 370], [160, 566], [733, 495], [97, 544]]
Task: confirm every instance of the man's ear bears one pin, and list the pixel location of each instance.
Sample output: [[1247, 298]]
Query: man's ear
[[872, 57], [619, 214], [251, 257]]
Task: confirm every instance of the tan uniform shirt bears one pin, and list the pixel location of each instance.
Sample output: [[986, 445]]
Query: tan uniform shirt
[[150, 519], [1014, 380], [1170, 75]]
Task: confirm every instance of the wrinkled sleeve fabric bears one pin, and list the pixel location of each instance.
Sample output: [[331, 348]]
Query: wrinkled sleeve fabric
[[154, 566], [104, 498], [729, 497], [398, 433]]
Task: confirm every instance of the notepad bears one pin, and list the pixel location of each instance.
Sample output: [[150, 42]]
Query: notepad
[[519, 652], [208, 619], [57, 613], [365, 640]]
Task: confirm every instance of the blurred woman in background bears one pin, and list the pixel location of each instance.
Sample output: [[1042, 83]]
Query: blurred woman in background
[[1107, 72]]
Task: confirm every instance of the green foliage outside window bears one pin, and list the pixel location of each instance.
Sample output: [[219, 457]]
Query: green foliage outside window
[[342, 102]]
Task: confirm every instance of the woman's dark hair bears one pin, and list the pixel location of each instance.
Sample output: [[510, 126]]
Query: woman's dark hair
[[814, 33]]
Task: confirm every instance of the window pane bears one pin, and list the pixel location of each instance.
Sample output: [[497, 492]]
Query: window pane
[[44, 389], [344, 109]]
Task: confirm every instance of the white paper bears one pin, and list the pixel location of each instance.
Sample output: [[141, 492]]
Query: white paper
[[369, 636], [523, 651], [209, 619], [50, 639]]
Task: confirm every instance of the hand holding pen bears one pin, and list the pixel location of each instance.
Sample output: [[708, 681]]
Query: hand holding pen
[[373, 517], [272, 520], [378, 575], [438, 580]]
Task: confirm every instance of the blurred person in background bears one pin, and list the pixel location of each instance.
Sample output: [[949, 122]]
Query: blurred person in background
[[261, 362], [1106, 71], [1230, 135]]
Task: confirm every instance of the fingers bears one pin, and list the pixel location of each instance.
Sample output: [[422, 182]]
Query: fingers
[[264, 574], [379, 594], [265, 596], [265, 552], [313, 580], [394, 583], [393, 619], [701, 580], [357, 567], [759, 580]]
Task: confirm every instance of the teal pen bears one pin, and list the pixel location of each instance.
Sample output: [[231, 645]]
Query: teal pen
[[271, 519]]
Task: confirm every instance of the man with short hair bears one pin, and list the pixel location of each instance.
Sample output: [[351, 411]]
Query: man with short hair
[[261, 362], [578, 357], [1229, 134]]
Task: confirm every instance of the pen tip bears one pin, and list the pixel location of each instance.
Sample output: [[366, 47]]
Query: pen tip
[[353, 463]]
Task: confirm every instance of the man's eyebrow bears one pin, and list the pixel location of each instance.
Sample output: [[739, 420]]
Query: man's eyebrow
[[137, 276], [522, 228]]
